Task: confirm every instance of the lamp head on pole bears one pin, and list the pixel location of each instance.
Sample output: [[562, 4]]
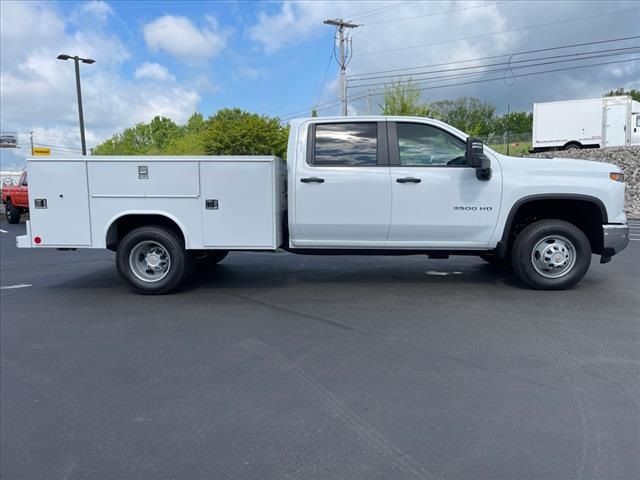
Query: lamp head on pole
[[64, 56]]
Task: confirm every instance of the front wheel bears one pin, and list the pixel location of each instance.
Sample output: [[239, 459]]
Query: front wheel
[[13, 213], [152, 260], [551, 255]]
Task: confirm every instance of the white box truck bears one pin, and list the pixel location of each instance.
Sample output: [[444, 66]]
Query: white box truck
[[364, 185], [589, 123]]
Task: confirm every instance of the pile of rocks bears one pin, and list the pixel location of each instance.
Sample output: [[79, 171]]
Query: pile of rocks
[[627, 158]]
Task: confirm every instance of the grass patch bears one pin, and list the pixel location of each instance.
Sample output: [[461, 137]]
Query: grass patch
[[517, 149]]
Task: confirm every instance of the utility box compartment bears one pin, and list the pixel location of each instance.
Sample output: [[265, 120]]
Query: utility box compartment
[[241, 202], [148, 177], [59, 208]]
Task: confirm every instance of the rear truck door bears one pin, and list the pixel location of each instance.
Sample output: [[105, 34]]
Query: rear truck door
[[437, 200], [59, 203], [635, 131], [615, 124], [342, 187]]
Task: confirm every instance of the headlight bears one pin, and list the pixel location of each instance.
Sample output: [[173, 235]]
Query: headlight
[[617, 176]]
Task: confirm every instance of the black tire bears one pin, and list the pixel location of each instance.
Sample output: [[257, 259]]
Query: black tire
[[13, 213], [208, 258], [167, 243], [572, 146], [547, 235]]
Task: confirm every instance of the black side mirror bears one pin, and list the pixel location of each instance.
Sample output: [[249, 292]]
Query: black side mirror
[[477, 159]]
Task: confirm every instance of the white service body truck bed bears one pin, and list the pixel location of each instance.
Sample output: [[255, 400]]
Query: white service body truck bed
[[230, 203]]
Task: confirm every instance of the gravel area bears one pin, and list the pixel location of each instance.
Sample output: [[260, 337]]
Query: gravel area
[[627, 158]]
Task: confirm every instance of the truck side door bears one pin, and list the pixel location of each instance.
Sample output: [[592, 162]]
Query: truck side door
[[342, 187], [437, 200], [21, 197]]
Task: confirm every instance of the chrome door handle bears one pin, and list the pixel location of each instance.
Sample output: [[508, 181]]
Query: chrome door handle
[[408, 180]]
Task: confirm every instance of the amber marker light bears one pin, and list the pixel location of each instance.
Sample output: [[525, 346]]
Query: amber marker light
[[617, 176]]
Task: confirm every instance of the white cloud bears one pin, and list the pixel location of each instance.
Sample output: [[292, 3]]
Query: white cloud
[[182, 39], [37, 91], [383, 40], [154, 71], [294, 22], [97, 8]]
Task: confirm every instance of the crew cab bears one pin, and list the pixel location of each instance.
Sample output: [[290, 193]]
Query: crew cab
[[370, 185], [16, 199]]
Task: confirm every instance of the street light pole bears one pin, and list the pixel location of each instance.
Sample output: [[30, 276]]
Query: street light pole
[[80, 114], [77, 61]]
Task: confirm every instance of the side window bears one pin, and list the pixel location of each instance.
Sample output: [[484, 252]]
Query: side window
[[425, 146], [346, 145], [637, 120], [23, 180]]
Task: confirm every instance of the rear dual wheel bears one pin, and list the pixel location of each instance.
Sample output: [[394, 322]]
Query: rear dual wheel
[[152, 260]]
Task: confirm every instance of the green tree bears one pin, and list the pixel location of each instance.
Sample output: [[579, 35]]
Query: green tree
[[514, 122], [236, 132], [141, 139], [195, 124], [633, 93], [470, 115], [403, 99]]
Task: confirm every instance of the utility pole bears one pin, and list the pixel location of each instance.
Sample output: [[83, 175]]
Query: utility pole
[[340, 24], [31, 142]]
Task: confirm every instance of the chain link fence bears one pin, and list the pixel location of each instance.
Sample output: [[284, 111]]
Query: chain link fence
[[514, 144]]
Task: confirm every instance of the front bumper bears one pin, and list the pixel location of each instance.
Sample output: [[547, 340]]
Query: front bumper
[[615, 238]]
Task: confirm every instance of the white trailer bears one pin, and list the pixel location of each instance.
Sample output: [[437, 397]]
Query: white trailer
[[588, 123], [351, 185]]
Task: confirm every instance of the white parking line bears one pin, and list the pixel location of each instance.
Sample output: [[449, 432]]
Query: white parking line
[[3, 231], [13, 287]]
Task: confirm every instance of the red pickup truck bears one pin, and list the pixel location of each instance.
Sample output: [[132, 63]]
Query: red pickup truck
[[16, 199]]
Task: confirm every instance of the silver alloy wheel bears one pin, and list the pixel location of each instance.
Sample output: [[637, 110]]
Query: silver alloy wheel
[[149, 261], [554, 256]]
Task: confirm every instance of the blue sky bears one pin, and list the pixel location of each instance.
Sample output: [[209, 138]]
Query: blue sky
[[172, 58]]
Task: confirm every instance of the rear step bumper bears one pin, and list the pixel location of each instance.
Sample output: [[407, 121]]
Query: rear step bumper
[[24, 241]]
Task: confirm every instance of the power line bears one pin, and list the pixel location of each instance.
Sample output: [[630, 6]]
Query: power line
[[507, 73], [375, 11], [381, 91], [568, 20], [433, 14], [583, 56], [471, 82], [326, 70], [524, 52]]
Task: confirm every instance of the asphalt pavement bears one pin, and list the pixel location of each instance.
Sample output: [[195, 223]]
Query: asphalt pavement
[[275, 366]]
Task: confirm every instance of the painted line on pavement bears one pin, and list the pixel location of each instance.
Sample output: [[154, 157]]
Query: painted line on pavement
[[3, 231], [14, 287]]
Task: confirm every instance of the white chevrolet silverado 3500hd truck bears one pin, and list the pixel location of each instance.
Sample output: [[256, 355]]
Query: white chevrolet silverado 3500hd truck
[[359, 185]]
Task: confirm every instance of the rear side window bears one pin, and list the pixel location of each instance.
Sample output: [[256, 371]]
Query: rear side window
[[346, 145]]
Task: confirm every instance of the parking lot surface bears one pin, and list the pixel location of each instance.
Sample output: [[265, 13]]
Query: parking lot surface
[[274, 366]]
